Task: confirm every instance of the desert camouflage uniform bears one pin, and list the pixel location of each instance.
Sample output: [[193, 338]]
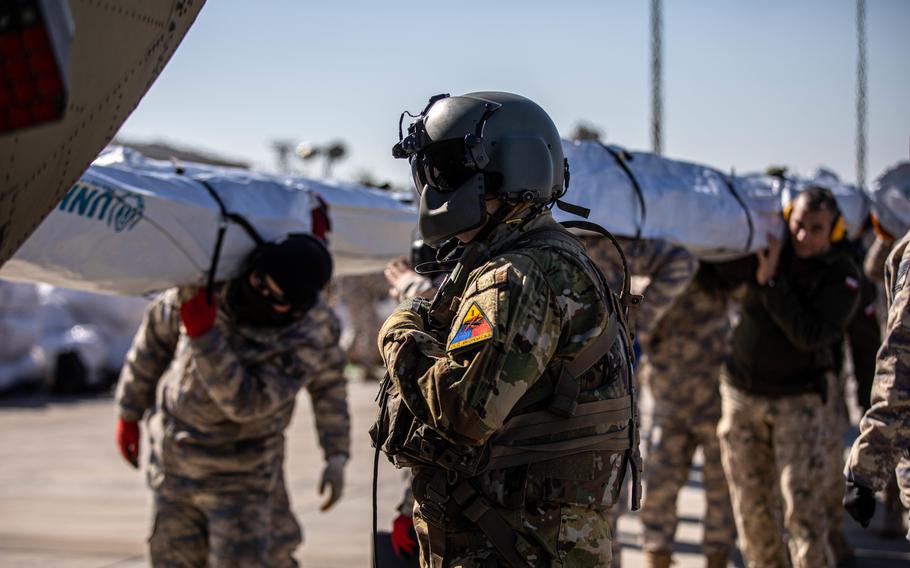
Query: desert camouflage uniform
[[836, 424], [876, 259], [682, 367], [223, 402], [775, 438], [359, 294], [669, 269], [884, 440], [541, 307]]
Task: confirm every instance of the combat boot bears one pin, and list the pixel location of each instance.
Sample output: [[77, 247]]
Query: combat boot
[[717, 559], [657, 559]]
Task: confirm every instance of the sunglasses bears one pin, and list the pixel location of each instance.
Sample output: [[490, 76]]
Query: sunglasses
[[275, 298]]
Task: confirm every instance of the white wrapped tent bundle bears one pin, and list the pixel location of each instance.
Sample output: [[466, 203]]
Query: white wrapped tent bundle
[[717, 216], [29, 368], [20, 322], [132, 225], [639, 194], [115, 319], [890, 197], [22, 361]]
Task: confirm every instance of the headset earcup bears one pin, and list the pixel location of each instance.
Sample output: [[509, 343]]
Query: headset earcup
[[839, 230], [788, 209]]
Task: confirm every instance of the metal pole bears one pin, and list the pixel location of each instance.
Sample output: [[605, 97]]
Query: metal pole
[[861, 93], [656, 78]]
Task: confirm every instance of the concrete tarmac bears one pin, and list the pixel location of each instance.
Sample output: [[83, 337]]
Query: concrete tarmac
[[67, 499]]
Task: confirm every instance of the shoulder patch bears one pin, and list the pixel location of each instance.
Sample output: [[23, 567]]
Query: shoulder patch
[[474, 328]]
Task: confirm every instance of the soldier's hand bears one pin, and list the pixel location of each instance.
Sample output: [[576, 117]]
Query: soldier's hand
[[859, 501], [127, 435], [198, 314], [403, 542], [768, 260], [396, 270], [333, 477]]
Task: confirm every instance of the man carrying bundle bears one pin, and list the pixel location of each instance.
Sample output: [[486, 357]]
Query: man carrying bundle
[[227, 372]]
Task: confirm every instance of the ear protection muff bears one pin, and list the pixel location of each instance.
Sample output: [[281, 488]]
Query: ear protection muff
[[838, 229]]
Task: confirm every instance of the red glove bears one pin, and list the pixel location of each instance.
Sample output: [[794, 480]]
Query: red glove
[[197, 314], [402, 541], [128, 441]]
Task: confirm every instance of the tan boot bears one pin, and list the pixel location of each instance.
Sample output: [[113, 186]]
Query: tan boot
[[657, 559], [717, 559]]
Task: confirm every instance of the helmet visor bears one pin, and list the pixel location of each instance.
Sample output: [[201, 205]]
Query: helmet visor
[[443, 165]]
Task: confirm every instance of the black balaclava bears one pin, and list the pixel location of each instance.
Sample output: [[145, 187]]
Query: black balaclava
[[301, 266]]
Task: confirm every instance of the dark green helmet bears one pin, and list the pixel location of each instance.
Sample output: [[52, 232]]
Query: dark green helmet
[[463, 149]]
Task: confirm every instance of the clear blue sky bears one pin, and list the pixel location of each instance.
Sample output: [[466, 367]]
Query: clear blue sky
[[746, 83]]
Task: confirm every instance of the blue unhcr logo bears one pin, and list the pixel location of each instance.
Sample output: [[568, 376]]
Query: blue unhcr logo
[[121, 210]]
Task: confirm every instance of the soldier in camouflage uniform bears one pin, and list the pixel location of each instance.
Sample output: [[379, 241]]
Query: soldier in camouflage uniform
[[359, 294], [226, 375], [773, 387], [892, 525], [518, 382], [884, 440], [681, 367], [669, 268], [406, 284]]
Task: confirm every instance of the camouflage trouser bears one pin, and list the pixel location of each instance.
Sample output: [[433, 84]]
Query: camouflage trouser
[[359, 295], [670, 451], [903, 479], [902, 473], [837, 422], [770, 449], [579, 537], [224, 530], [613, 515]]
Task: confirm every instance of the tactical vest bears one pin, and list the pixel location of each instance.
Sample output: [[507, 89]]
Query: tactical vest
[[581, 407]]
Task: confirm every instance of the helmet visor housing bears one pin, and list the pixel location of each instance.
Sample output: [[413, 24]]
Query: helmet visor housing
[[443, 165]]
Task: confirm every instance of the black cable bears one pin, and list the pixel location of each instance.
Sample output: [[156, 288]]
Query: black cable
[[621, 160], [730, 186], [222, 229], [384, 395], [595, 228]]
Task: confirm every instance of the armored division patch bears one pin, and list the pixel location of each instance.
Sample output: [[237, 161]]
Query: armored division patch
[[474, 328]]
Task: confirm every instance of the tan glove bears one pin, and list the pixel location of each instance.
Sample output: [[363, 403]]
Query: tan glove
[[333, 476]]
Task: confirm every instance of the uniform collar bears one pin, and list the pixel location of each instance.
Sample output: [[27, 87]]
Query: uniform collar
[[508, 232]]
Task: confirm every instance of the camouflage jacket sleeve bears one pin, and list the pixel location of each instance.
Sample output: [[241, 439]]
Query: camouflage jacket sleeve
[[503, 337], [885, 428], [670, 269], [822, 320], [149, 357], [324, 362], [247, 391], [876, 256]]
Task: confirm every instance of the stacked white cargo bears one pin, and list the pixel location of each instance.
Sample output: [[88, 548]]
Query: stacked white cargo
[[21, 360]]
